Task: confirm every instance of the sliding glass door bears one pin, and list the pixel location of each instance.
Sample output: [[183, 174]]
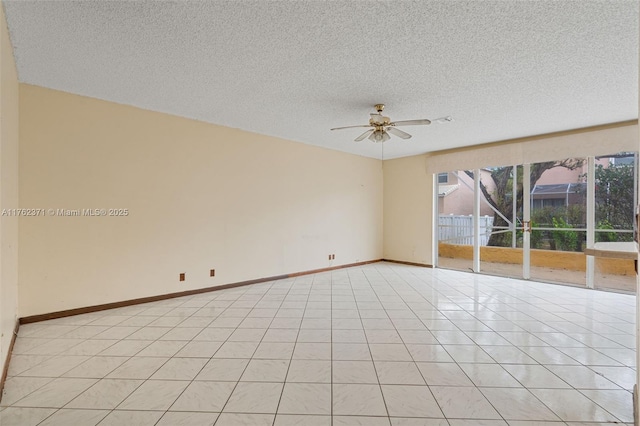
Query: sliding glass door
[[535, 220], [558, 201], [615, 189], [501, 225], [479, 220], [455, 220]]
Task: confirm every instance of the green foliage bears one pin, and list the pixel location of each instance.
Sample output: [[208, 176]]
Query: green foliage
[[543, 217], [614, 196], [565, 240], [558, 217], [605, 236], [537, 236], [576, 215], [614, 206], [501, 196]]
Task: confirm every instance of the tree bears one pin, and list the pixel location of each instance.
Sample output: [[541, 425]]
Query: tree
[[501, 198], [614, 200]]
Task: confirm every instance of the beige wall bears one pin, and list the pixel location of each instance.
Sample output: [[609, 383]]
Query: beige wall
[[408, 196], [408, 182], [8, 190], [596, 141], [199, 196]]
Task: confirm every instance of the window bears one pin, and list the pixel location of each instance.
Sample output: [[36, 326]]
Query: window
[[548, 202], [623, 159], [443, 177]]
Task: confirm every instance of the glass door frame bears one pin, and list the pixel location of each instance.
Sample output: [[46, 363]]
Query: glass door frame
[[477, 201], [526, 218]]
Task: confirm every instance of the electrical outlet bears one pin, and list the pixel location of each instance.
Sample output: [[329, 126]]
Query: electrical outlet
[[212, 273], [182, 276]]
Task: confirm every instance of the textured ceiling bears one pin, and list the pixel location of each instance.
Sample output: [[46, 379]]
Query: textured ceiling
[[295, 69]]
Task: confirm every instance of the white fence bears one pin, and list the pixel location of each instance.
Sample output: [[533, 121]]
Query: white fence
[[457, 229]]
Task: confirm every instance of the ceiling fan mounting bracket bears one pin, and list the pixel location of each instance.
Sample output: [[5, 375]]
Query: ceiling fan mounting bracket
[[379, 108]]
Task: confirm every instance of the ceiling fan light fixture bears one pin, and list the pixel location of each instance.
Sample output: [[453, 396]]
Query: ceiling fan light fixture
[[379, 136]]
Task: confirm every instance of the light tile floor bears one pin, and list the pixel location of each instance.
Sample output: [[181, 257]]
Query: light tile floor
[[381, 344]]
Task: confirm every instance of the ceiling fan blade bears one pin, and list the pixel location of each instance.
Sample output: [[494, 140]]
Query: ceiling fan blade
[[350, 127], [442, 120], [399, 133], [424, 121], [364, 135]]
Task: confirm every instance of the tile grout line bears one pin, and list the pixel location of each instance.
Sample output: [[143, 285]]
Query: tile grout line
[[454, 360], [90, 357], [295, 343], [366, 338], [525, 387], [331, 350], [163, 364], [407, 349], [253, 353], [159, 367], [456, 293]]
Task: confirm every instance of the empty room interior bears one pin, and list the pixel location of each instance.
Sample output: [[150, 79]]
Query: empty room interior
[[318, 213]]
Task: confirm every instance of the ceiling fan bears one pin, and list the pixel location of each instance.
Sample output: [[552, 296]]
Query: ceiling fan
[[381, 126]]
